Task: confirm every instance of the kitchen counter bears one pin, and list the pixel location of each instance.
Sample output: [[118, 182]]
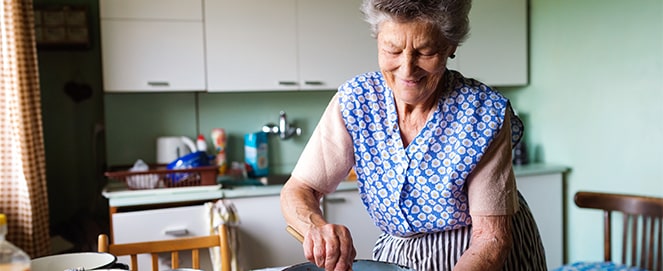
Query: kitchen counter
[[538, 169], [118, 195]]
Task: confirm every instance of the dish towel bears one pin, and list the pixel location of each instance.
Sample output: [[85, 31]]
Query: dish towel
[[223, 211]]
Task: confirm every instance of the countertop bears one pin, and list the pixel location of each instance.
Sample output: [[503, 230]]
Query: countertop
[[118, 195]]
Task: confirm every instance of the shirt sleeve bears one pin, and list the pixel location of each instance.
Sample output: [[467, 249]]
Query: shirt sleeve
[[328, 155], [492, 184]]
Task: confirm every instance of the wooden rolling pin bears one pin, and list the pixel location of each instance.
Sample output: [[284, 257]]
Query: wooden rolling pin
[[295, 233]]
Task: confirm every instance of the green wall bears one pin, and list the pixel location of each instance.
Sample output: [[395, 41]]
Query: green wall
[[134, 121], [593, 104], [594, 101]]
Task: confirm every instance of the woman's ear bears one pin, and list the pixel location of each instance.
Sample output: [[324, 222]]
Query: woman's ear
[[452, 52]]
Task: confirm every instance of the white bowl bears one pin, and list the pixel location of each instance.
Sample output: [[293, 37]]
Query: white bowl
[[60, 262]]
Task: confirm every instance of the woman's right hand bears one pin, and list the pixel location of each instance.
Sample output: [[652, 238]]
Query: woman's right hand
[[330, 247]]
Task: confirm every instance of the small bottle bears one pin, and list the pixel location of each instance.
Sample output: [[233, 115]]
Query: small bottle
[[201, 144], [12, 258], [219, 141]]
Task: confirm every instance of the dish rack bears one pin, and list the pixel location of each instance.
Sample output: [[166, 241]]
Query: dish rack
[[158, 176]]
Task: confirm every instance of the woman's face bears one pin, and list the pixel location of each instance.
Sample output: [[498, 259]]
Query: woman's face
[[413, 58]]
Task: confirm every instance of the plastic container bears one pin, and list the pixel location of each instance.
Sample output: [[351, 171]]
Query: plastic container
[[255, 154], [12, 258]]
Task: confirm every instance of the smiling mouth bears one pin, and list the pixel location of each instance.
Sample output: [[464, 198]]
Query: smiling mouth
[[410, 82]]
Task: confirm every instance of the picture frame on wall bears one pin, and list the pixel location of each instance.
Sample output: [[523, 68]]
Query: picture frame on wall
[[62, 26]]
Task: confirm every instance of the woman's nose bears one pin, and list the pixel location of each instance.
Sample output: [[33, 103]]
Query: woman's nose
[[408, 63]]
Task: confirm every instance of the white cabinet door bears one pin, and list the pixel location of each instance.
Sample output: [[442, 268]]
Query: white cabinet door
[[260, 45], [335, 43], [545, 197], [496, 50], [251, 45], [346, 208], [148, 45], [188, 10], [263, 239], [162, 224]]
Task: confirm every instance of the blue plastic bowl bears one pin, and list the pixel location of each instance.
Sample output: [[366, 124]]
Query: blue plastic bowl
[[191, 160], [194, 159]]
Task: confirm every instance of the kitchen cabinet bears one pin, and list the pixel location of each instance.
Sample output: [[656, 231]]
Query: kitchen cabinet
[[162, 224], [544, 193], [257, 45], [263, 239], [152, 45], [496, 51], [346, 208]]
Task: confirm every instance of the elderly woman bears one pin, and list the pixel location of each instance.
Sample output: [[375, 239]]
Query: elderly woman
[[431, 150]]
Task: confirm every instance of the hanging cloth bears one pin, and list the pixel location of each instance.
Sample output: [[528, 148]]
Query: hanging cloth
[[223, 212]]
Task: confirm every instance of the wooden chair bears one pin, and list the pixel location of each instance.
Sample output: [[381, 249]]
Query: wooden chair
[[174, 246], [642, 233]]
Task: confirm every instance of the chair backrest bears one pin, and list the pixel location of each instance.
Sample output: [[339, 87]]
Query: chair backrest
[[174, 246], [642, 232]]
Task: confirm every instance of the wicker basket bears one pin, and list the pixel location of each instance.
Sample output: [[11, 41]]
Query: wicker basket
[[158, 176]]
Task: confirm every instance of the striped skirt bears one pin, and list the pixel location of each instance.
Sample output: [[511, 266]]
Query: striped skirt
[[441, 251]]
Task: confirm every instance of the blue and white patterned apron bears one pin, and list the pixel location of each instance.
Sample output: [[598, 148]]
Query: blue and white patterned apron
[[421, 188]]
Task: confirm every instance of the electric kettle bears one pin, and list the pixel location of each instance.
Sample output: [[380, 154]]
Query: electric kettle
[[170, 148]]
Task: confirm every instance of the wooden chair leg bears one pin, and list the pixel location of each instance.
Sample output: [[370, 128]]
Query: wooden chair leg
[[175, 259], [225, 248], [195, 259], [102, 243], [134, 262]]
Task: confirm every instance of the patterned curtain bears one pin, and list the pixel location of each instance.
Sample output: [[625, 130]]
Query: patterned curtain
[[23, 195]]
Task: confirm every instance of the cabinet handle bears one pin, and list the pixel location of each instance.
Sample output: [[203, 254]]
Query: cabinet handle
[[334, 200], [313, 83], [176, 232], [330, 200], [287, 83], [158, 83]]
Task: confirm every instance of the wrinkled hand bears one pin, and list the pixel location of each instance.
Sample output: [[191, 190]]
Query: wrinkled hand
[[330, 247]]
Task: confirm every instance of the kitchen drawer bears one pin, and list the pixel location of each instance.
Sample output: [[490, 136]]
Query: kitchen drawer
[[152, 9], [162, 224]]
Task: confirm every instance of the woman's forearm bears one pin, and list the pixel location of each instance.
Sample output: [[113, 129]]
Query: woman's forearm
[[300, 205], [489, 246]]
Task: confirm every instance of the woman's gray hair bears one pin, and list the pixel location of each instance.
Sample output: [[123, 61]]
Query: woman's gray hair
[[450, 16]]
